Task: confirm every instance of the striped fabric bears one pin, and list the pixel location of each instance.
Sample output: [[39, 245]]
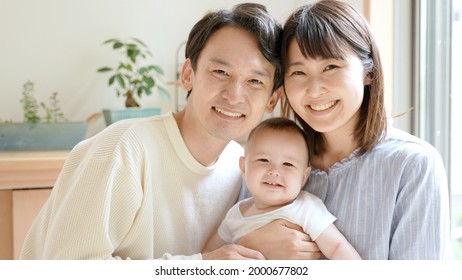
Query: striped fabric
[[392, 202]]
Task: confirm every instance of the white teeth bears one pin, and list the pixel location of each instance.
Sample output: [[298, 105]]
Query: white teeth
[[323, 106], [229, 114]]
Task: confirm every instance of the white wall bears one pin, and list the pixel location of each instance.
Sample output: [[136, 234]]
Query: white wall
[[57, 44]]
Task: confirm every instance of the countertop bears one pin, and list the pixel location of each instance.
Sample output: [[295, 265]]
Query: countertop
[[30, 169]]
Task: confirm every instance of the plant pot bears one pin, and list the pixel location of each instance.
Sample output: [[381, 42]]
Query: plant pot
[[41, 136], [111, 116]]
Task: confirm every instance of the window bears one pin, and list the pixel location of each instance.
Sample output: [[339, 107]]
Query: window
[[456, 132], [437, 90]]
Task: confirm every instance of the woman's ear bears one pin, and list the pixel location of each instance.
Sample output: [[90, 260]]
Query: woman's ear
[[368, 79], [274, 100], [187, 75]]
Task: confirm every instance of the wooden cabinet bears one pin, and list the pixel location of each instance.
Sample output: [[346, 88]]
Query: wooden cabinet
[[26, 179]]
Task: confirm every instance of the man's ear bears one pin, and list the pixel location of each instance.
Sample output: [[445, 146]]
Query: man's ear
[[306, 175], [274, 100], [187, 75], [242, 166]]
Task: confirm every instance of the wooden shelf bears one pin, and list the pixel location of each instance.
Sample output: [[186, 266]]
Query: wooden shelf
[[26, 179], [35, 169]]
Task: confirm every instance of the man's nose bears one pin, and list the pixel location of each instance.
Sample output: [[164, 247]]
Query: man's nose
[[234, 92]]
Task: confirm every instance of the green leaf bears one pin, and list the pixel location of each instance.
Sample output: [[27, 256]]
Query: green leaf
[[127, 66], [117, 45], [140, 90], [111, 80], [163, 93], [142, 70], [121, 81], [110, 41], [139, 42], [149, 81], [104, 69], [158, 69], [132, 54]]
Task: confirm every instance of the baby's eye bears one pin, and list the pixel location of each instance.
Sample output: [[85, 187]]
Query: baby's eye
[[262, 160], [288, 164]]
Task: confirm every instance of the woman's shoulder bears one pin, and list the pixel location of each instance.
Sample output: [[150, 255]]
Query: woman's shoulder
[[403, 145]]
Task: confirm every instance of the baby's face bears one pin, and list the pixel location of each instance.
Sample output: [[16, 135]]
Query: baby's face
[[275, 166]]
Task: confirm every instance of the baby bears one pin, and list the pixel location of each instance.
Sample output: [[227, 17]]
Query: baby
[[275, 167]]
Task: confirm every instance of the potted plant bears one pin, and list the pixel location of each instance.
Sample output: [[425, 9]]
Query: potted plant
[[131, 77], [52, 131]]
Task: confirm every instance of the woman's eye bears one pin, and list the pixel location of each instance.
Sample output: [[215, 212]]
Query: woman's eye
[[297, 73], [331, 67]]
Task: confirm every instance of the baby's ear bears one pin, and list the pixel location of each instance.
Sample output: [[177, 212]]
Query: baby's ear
[[306, 175]]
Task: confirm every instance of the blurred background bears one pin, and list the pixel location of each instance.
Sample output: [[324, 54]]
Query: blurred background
[[57, 44]]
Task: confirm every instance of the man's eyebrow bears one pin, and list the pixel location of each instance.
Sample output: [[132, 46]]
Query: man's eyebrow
[[219, 61], [262, 73]]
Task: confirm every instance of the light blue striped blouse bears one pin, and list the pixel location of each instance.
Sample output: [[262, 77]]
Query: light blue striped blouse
[[392, 202]]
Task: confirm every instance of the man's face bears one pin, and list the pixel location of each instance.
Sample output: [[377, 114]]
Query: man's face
[[232, 85]]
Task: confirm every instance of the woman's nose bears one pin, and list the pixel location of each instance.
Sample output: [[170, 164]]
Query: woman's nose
[[314, 87]]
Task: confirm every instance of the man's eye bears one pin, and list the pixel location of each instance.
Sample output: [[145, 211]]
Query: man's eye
[[256, 82], [220, 72]]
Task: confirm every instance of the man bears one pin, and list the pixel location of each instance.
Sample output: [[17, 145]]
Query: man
[[158, 187]]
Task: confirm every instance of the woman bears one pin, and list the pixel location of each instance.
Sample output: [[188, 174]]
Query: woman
[[388, 189]]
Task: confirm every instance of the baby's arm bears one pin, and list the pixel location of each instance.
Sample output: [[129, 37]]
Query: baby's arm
[[334, 245]]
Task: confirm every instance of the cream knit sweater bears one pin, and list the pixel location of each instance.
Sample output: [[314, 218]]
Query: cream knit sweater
[[134, 191]]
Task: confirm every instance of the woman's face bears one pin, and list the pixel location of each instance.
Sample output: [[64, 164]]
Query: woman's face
[[325, 93]]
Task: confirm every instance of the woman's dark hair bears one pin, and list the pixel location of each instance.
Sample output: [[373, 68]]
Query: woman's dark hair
[[333, 29]]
